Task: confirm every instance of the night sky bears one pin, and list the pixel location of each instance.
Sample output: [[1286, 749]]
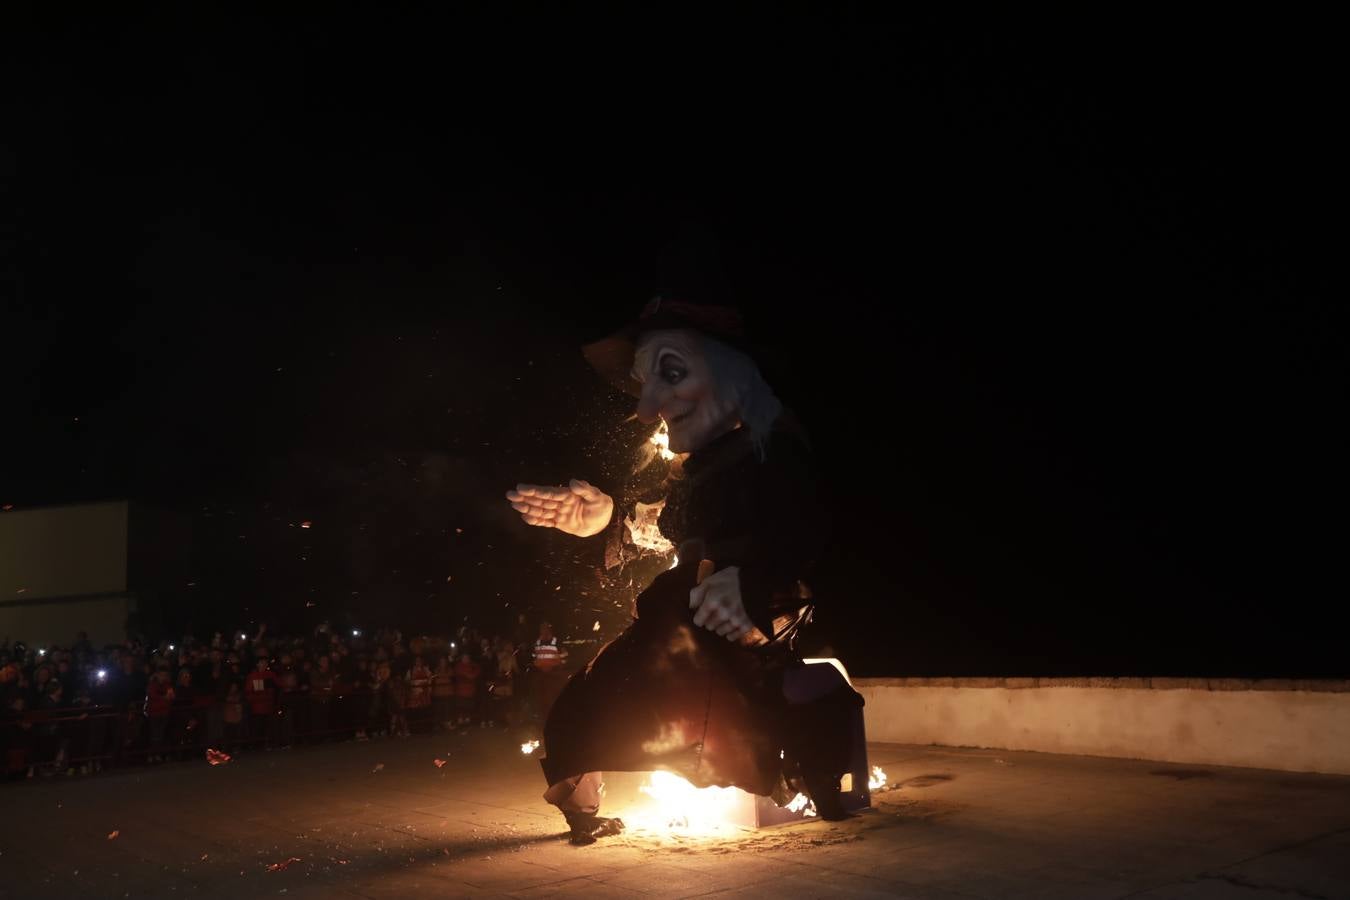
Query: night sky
[[1052, 297]]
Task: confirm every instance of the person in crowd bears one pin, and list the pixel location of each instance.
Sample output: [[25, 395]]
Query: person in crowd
[[467, 673], [400, 660], [487, 676], [42, 676], [233, 674], [290, 699], [205, 670], [547, 677], [504, 686], [396, 701], [260, 689], [381, 693], [443, 691], [158, 709], [378, 720], [233, 718], [53, 741], [209, 681], [419, 689], [369, 714], [87, 733], [185, 725], [18, 755], [82, 647], [321, 688], [131, 683], [65, 673]]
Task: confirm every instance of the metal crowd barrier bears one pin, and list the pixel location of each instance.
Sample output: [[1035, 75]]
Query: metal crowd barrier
[[51, 741]]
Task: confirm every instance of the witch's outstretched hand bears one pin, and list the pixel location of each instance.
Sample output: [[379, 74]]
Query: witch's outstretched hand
[[575, 508], [718, 607]]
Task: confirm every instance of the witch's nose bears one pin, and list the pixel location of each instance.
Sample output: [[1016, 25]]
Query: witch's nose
[[648, 413], [649, 408]]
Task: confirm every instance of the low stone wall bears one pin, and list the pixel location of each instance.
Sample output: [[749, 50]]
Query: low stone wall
[[1289, 725]]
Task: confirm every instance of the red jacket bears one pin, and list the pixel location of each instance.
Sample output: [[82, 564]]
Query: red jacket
[[158, 699], [419, 687], [260, 690], [466, 677]]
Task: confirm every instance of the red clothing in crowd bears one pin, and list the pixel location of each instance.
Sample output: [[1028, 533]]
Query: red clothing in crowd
[[419, 684], [260, 689], [548, 655], [158, 698], [466, 677]]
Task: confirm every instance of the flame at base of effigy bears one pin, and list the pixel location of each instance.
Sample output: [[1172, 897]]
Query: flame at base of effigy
[[668, 806]]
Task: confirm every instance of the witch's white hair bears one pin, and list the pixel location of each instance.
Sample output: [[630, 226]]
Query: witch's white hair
[[738, 383]]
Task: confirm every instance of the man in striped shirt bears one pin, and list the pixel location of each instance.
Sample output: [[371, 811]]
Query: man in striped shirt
[[549, 678]]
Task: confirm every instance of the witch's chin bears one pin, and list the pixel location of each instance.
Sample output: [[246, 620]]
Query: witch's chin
[[680, 443]]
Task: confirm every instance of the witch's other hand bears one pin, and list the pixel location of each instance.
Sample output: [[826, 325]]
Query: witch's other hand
[[718, 606], [576, 508]]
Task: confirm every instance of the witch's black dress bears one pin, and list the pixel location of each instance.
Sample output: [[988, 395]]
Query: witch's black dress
[[667, 694]]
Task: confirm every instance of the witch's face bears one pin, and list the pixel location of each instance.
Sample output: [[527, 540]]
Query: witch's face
[[678, 387]]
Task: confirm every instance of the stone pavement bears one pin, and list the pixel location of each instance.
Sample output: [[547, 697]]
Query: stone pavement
[[381, 820]]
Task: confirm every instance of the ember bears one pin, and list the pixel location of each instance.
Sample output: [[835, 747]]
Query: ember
[[440, 763], [217, 757], [529, 746], [277, 867]]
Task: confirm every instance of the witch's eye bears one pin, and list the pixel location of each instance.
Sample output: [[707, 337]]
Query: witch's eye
[[672, 374]]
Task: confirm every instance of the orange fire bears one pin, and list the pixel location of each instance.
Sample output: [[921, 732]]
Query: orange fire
[[669, 806], [529, 747], [672, 804]]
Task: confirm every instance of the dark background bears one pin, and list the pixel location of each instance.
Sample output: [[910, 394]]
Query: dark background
[[1052, 296]]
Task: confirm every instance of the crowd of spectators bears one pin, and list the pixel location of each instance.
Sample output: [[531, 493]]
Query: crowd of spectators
[[75, 709]]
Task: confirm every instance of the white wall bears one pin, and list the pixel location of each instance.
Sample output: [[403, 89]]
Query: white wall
[[1290, 726], [63, 551], [43, 624]]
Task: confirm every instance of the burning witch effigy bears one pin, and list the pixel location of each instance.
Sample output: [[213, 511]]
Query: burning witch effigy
[[695, 685]]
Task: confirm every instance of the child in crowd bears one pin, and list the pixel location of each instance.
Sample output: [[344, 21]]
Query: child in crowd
[[467, 672], [234, 715], [443, 692]]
